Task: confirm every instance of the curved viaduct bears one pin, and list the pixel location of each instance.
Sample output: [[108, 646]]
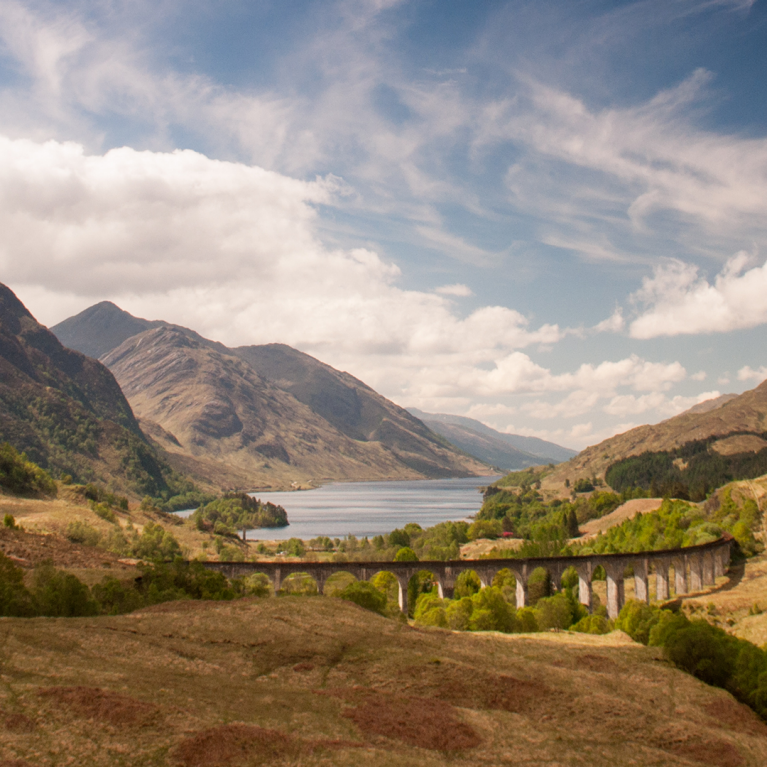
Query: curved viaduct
[[695, 567]]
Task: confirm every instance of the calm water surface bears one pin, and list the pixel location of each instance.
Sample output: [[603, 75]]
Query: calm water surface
[[372, 508]]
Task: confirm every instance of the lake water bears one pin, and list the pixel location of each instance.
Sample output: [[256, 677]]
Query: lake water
[[372, 508]]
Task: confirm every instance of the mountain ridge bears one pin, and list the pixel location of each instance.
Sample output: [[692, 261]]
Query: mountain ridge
[[499, 449], [270, 412], [743, 413]]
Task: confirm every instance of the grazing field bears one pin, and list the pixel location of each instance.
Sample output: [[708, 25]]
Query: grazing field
[[317, 681]]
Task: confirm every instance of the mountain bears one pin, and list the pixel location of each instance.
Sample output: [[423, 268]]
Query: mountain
[[739, 420], [115, 326], [66, 411], [260, 416], [506, 451]]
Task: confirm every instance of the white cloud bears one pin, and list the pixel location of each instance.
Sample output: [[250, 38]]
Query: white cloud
[[458, 290], [657, 402], [680, 301], [230, 250], [748, 374], [701, 375], [613, 324]]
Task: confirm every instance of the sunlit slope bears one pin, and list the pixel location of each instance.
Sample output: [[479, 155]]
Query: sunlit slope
[[223, 421], [315, 681], [65, 410], [744, 413]]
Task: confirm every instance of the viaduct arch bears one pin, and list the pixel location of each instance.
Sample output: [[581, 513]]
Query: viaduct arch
[[695, 567]]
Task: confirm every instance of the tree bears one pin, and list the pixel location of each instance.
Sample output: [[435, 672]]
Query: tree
[[365, 595], [406, 554]]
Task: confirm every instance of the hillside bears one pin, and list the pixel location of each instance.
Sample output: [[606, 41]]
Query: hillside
[[323, 682], [505, 451], [66, 411], [219, 419], [746, 412], [259, 416]]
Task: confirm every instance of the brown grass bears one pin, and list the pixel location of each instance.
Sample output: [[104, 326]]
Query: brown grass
[[103, 706], [18, 723], [234, 744], [419, 722], [718, 753]]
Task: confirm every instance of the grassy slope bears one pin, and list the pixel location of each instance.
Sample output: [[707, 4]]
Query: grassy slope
[[319, 670]]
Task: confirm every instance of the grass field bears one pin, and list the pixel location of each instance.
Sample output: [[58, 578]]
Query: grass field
[[317, 681]]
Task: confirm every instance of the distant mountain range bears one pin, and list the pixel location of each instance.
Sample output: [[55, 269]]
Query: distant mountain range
[[258, 416], [507, 452], [738, 421], [66, 411]]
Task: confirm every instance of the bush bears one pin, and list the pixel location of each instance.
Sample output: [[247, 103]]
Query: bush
[[406, 554], [526, 621], [554, 612], [491, 612], [22, 477], [9, 522], [592, 624], [156, 544], [15, 600], [485, 528], [467, 584], [103, 511], [365, 595], [79, 531], [59, 594], [638, 619]]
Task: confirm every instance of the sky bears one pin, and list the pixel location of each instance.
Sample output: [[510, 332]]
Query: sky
[[550, 216]]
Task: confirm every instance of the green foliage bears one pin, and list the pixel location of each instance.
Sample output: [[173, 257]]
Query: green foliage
[[9, 522], [22, 477], [637, 619], [256, 585], [365, 595], [103, 511], [406, 554], [294, 547], [234, 512], [678, 524], [485, 528], [399, 538], [592, 624], [689, 472], [299, 584], [467, 584], [491, 612], [156, 544], [538, 585], [555, 612], [79, 531], [15, 599], [583, 485], [59, 594]]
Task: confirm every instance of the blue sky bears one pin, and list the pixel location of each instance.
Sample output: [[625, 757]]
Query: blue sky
[[546, 215]]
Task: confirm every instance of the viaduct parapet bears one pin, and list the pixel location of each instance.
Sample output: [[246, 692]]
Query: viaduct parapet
[[694, 568]]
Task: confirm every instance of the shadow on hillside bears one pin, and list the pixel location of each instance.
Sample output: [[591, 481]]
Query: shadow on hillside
[[735, 576]]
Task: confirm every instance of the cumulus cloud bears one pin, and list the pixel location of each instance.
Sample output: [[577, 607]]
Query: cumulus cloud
[[630, 404], [228, 249], [679, 300], [746, 373], [457, 290]]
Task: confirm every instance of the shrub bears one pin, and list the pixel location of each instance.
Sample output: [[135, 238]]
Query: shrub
[[592, 624], [156, 544], [365, 595], [21, 476], [485, 528], [526, 621], [399, 538], [491, 612], [257, 585], [15, 599], [466, 584], [59, 594], [9, 521], [406, 554], [554, 612], [79, 531], [458, 614], [103, 511], [638, 619]]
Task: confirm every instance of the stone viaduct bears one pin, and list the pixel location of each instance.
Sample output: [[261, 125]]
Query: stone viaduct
[[694, 568]]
